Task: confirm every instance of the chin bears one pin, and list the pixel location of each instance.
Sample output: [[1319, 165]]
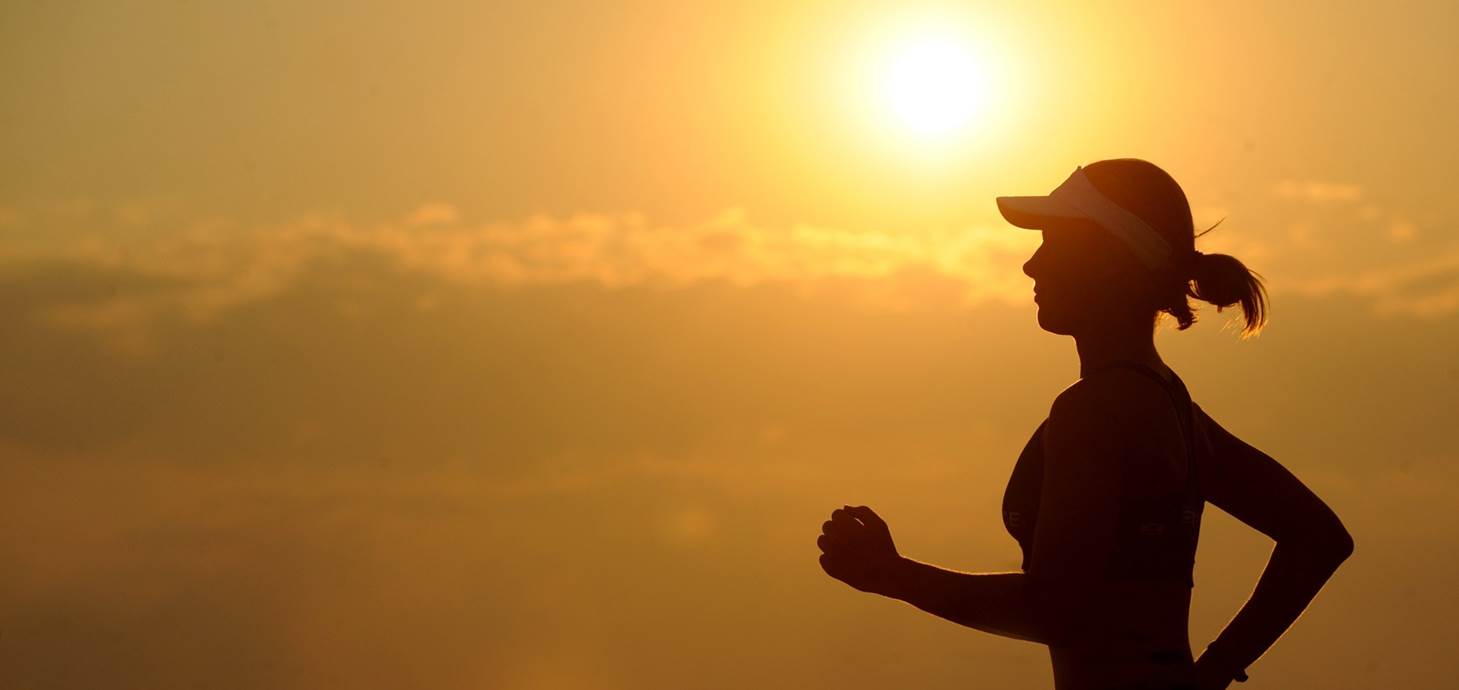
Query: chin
[[1053, 324]]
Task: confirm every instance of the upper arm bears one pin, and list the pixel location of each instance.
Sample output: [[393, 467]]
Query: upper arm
[[1257, 490]]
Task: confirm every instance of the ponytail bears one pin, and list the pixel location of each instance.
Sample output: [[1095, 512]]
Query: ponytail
[[1224, 281], [1152, 195]]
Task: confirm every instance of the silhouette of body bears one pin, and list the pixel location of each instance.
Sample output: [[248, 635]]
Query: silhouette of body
[[1105, 500]]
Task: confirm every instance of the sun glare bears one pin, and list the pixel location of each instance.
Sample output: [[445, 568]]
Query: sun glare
[[933, 86]]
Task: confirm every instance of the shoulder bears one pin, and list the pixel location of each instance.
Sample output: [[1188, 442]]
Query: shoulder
[[1115, 415], [1112, 397]]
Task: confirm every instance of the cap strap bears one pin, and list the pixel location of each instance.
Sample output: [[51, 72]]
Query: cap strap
[[1147, 244]]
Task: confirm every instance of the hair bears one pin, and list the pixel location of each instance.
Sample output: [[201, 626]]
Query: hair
[[1142, 188]]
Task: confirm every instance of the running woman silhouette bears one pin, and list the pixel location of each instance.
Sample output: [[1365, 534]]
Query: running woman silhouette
[[1106, 498]]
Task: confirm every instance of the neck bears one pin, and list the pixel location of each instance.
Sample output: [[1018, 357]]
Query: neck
[[1127, 343]]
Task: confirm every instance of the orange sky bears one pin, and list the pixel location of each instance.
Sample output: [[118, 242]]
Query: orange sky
[[451, 345]]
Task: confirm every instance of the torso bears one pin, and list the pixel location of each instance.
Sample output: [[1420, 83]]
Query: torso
[[1148, 587]]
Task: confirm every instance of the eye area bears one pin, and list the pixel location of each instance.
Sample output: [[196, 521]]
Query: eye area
[[1081, 235], [1077, 250], [1067, 240]]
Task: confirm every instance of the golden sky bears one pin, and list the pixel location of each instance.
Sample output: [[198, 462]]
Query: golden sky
[[380, 345]]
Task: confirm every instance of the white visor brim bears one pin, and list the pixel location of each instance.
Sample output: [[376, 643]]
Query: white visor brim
[[1030, 211], [1077, 197]]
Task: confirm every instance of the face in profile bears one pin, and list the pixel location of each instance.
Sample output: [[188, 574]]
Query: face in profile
[[1082, 278]]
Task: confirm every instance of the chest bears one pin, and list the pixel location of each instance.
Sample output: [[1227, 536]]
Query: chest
[[1159, 508]]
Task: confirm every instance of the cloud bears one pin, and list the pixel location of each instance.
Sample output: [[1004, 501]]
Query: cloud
[[1427, 288], [1401, 230], [435, 213], [1318, 192], [212, 266], [624, 249], [202, 267]]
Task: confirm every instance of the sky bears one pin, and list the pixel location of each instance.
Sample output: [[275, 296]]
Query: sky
[[379, 345]]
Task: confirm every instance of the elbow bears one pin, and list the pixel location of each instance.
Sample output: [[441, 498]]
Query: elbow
[[1330, 546], [1343, 545], [1337, 542]]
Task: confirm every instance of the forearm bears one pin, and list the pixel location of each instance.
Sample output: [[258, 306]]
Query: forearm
[[1292, 578], [992, 602]]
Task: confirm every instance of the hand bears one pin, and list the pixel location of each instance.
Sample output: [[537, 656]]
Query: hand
[[1210, 675], [856, 548]]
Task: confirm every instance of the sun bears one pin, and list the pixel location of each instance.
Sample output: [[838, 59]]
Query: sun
[[933, 85]]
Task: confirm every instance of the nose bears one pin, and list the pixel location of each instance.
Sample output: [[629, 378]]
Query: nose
[[1033, 264]]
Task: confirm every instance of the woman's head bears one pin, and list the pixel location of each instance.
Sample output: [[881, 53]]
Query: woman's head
[[1085, 277]]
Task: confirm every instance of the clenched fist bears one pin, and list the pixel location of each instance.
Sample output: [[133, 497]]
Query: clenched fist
[[856, 548]]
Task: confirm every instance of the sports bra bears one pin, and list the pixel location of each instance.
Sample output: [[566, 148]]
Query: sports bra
[[1156, 535]]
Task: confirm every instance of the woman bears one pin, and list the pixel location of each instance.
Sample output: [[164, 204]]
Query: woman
[[1105, 500]]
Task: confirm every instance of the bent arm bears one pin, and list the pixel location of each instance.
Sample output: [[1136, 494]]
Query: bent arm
[[1292, 578], [1310, 545]]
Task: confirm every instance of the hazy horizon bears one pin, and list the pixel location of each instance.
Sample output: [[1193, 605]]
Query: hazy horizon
[[528, 347]]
